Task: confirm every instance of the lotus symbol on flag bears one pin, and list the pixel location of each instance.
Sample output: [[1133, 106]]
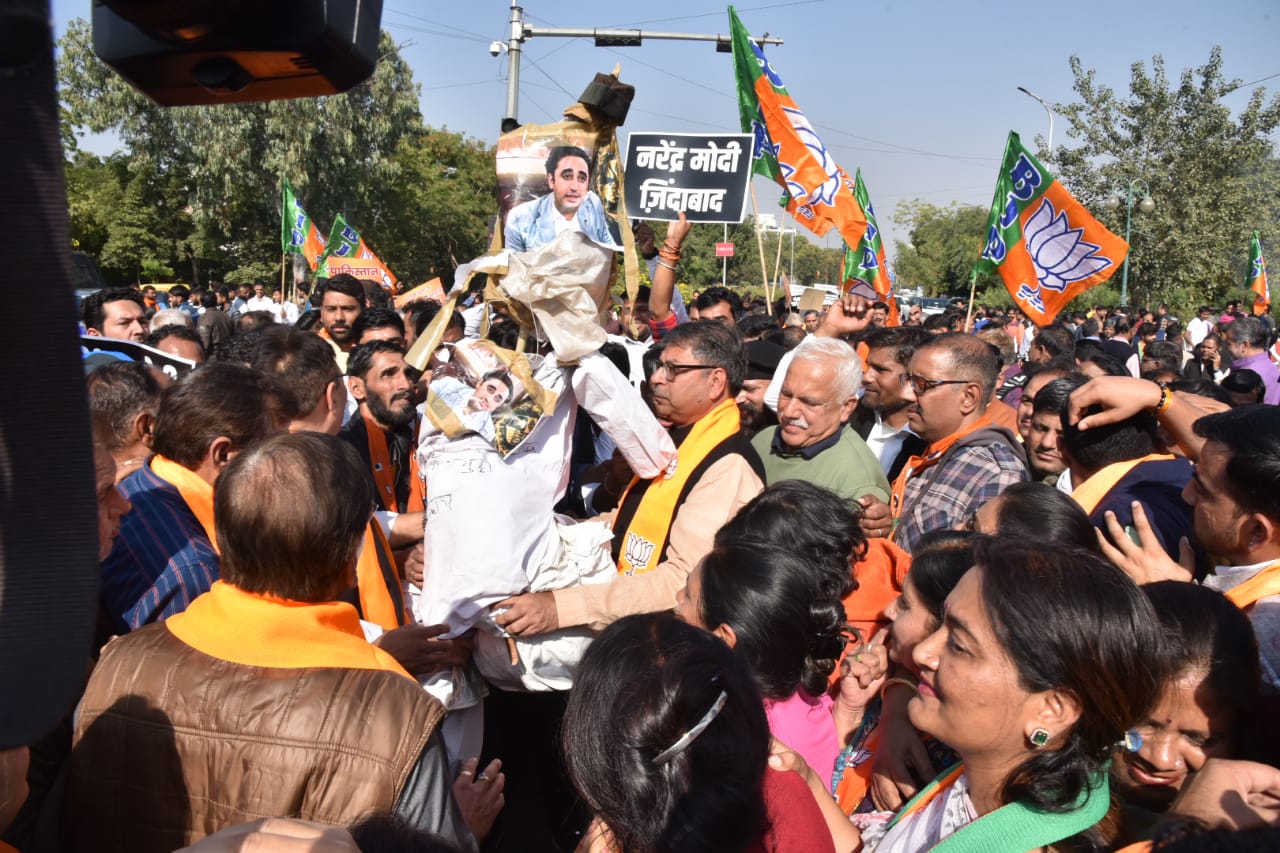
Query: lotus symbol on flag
[[824, 193], [1060, 256]]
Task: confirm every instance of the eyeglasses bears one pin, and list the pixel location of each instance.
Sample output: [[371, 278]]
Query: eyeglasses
[[921, 385], [672, 369]]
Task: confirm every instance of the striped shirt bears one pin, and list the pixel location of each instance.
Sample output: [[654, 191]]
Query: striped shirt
[[162, 559]]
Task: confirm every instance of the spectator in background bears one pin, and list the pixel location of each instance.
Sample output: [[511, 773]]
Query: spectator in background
[[1206, 362], [720, 304], [115, 313], [214, 324], [1246, 341], [182, 341], [881, 417], [179, 296], [1200, 325]]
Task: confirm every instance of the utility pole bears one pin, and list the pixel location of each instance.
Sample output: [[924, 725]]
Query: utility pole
[[521, 32]]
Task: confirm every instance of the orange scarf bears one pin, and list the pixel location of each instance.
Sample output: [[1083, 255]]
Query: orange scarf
[[1091, 492], [263, 630], [384, 475], [917, 465], [1262, 585], [376, 571], [197, 494]]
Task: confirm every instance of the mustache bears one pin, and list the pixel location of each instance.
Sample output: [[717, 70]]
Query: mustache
[[799, 423]]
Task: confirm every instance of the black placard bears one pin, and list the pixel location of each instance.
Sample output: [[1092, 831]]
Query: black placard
[[705, 176]]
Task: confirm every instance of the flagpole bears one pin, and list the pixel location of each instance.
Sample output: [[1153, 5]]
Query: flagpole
[[777, 263], [284, 265], [764, 269], [973, 286]]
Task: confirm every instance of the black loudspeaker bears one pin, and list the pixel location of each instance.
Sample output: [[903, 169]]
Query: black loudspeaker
[[186, 52]]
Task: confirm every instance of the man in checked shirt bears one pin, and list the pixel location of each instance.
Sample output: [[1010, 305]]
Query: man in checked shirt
[[969, 459]]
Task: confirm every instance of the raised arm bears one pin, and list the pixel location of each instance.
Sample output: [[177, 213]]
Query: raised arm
[[1122, 397], [664, 276]]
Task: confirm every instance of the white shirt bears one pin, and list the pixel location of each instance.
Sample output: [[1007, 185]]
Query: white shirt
[[256, 303], [886, 441], [1196, 331]]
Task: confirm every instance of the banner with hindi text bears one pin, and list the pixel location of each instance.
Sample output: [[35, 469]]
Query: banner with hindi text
[[703, 175], [347, 252]]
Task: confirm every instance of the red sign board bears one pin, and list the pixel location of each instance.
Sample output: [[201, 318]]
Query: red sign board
[[724, 250]]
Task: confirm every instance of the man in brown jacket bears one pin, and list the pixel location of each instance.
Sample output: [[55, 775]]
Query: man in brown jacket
[[263, 697]]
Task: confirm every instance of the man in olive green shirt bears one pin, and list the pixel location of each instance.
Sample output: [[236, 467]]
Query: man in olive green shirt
[[811, 441]]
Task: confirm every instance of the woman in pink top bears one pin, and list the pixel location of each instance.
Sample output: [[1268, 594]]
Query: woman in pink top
[[776, 612]]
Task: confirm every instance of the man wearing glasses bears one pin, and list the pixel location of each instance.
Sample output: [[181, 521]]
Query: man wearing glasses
[[664, 526], [969, 459]]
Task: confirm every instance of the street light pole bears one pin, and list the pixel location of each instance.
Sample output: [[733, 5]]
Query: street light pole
[[520, 32], [1024, 90], [1135, 186]]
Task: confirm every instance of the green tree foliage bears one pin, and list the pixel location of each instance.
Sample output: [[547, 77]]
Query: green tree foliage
[[439, 206], [1212, 173], [212, 175], [945, 243]]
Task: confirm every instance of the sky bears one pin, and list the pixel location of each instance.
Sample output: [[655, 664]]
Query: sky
[[920, 95]]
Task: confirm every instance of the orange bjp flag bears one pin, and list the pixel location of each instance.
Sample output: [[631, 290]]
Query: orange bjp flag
[[1043, 243], [786, 148]]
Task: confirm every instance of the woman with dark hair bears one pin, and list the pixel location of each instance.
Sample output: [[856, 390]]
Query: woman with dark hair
[[865, 574], [778, 613], [1036, 511], [939, 560], [1042, 662], [1206, 701], [828, 539], [665, 738]]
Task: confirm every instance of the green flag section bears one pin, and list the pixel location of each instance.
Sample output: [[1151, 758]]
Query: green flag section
[[346, 252], [786, 148], [1258, 277], [1042, 242], [866, 261], [298, 234]]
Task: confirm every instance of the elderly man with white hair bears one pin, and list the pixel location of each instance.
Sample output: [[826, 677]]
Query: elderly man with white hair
[[811, 441]]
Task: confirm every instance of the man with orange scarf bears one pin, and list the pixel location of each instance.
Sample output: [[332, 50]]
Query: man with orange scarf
[[166, 554], [263, 697], [664, 526], [969, 459]]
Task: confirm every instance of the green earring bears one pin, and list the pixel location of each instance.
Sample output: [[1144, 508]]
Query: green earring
[[1039, 738]]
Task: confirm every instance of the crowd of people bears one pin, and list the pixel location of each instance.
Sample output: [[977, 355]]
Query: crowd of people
[[959, 583]]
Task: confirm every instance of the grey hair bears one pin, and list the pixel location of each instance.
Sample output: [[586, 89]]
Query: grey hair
[[170, 317], [1249, 331], [842, 357]]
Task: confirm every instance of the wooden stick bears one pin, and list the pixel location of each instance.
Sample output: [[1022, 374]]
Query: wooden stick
[[777, 262], [973, 286], [764, 270]]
